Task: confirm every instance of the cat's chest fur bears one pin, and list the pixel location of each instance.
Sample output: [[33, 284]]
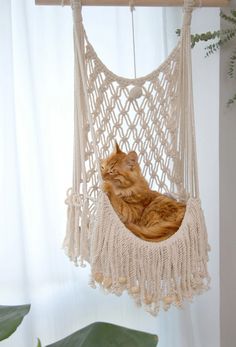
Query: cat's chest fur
[[137, 197]]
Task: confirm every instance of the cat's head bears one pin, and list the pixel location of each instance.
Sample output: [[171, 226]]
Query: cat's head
[[121, 169]]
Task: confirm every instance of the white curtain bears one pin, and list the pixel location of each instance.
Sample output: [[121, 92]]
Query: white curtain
[[36, 114]]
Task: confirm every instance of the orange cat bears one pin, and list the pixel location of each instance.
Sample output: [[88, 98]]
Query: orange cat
[[148, 214]]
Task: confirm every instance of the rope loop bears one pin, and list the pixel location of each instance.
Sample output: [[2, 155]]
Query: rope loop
[[188, 9], [131, 5], [132, 9], [189, 5], [77, 12]]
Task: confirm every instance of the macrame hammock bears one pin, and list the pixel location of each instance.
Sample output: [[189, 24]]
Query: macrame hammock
[[152, 115]]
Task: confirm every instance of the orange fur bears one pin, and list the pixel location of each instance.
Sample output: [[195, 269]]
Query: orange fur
[[148, 214]]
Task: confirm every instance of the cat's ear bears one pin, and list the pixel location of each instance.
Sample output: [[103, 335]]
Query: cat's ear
[[117, 148], [131, 159], [102, 164]]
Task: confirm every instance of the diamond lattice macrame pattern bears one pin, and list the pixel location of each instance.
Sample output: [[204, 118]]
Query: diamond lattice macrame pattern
[[140, 114]]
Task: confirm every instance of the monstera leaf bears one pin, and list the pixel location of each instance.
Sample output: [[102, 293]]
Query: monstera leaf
[[107, 335], [10, 319]]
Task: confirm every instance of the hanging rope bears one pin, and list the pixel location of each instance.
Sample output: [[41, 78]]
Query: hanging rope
[[132, 9]]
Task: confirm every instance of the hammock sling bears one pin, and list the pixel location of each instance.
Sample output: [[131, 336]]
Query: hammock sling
[[152, 115]]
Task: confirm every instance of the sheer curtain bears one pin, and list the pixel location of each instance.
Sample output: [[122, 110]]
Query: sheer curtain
[[36, 113]]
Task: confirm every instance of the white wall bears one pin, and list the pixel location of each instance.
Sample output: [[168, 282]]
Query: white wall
[[227, 198], [206, 94]]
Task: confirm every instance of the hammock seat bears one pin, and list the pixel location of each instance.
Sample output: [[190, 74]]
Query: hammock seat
[[152, 115]]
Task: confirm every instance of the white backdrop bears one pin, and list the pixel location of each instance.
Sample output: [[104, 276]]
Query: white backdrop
[[36, 115]]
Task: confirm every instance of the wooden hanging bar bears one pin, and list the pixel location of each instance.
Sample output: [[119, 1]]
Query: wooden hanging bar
[[201, 3]]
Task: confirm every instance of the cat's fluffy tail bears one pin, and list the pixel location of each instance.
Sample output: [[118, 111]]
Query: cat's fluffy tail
[[156, 233]]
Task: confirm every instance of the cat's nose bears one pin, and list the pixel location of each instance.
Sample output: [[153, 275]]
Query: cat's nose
[[105, 174]]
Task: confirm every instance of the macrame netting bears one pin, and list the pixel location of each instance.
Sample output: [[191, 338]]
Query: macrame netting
[[152, 115]]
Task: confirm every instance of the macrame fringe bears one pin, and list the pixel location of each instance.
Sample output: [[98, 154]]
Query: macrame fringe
[[76, 243], [154, 274]]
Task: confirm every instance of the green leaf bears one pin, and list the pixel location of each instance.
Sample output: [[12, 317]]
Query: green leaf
[[107, 335], [10, 319], [178, 32], [39, 343], [233, 12], [232, 64], [231, 101], [228, 18]]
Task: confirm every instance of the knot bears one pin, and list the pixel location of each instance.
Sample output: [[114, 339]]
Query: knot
[[142, 151], [103, 86], [164, 170], [135, 93], [106, 147], [110, 137], [188, 9], [99, 132], [131, 5], [88, 154], [158, 157], [151, 107], [144, 125], [99, 99], [73, 199], [106, 118], [138, 140], [171, 125], [132, 127], [148, 162], [125, 140], [90, 89], [88, 53], [110, 108], [148, 95], [115, 96], [76, 8], [117, 125], [74, 4], [153, 174], [189, 5], [90, 174], [153, 148]]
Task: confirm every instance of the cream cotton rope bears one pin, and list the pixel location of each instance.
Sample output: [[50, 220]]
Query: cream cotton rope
[[132, 8], [159, 126]]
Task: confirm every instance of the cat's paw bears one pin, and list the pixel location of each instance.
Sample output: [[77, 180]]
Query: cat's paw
[[107, 187]]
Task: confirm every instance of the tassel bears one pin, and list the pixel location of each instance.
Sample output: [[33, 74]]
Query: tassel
[[154, 274]]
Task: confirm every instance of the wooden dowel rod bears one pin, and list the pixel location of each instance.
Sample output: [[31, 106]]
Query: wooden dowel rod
[[203, 3]]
